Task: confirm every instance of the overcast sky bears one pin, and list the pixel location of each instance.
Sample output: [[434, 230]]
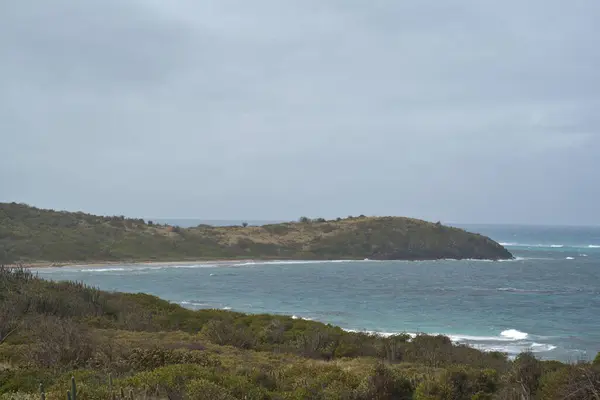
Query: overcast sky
[[460, 111]]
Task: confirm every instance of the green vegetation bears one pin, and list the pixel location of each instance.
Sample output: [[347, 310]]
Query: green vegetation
[[30, 234], [118, 345]]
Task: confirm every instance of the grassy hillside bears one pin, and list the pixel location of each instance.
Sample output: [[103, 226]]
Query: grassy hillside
[[157, 350], [32, 234]]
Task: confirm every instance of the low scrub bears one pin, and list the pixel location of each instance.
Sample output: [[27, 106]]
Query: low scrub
[[136, 345]]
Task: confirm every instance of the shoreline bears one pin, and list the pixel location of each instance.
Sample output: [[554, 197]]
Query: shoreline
[[95, 264], [220, 261]]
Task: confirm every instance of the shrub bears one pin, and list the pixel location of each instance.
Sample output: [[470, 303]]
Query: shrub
[[148, 359], [383, 383], [59, 342], [170, 380], [227, 333], [202, 389]]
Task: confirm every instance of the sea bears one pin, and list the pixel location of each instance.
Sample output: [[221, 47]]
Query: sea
[[546, 300]]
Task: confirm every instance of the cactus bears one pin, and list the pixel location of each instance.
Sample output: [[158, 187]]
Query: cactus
[[73, 389], [42, 393], [69, 395], [110, 387], [122, 394], [130, 394]]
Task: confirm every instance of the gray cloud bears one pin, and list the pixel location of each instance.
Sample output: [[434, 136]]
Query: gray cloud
[[466, 111]]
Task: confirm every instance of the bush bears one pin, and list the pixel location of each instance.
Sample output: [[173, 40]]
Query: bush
[[170, 380], [224, 333], [383, 383], [148, 359], [202, 389], [59, 342]]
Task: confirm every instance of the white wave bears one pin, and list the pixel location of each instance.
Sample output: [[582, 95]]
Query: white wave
[[514, 349], [542, 347], [192, 303], [518, 290], [509, 289], [552, 246], [226, 308], [569, 258], [303, 318], [511, 341], [382, 334], [102, 269], [514, 334], [463, 338], [250, 263], [291, 262], [192, 266], [513, 244]]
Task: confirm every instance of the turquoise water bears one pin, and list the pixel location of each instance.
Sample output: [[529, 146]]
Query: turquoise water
[[547, 300]]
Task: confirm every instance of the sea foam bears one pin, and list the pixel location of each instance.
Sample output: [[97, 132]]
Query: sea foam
[[514, 334], [510, 341], [551, 246], [102, 269]]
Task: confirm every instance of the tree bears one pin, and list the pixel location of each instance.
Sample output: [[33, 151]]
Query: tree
[[6, 253], [304, 220], [526, 373], [244, 224]]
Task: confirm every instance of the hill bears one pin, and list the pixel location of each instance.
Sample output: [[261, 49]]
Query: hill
[[153, 349], [31, 234]]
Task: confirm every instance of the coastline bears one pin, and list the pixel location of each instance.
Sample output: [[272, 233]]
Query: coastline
[[220, 261], [96, 264]]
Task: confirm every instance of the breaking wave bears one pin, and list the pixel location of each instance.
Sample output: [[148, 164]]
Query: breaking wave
[[102, 269], [518, 290], [510, 341], [303, 318], [550, 246], [513, 334], [293, 262]]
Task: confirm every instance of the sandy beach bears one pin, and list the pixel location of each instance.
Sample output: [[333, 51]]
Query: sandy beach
[[96, 264]]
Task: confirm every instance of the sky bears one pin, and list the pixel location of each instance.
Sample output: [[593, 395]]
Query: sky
[[461, 111]]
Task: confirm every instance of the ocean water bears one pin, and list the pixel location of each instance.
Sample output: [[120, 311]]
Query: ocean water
[[547, 300]]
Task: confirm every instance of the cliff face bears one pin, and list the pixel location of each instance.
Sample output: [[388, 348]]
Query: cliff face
[[32, 234]]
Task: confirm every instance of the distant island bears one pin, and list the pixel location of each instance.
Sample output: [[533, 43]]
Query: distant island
[[29, 234]]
